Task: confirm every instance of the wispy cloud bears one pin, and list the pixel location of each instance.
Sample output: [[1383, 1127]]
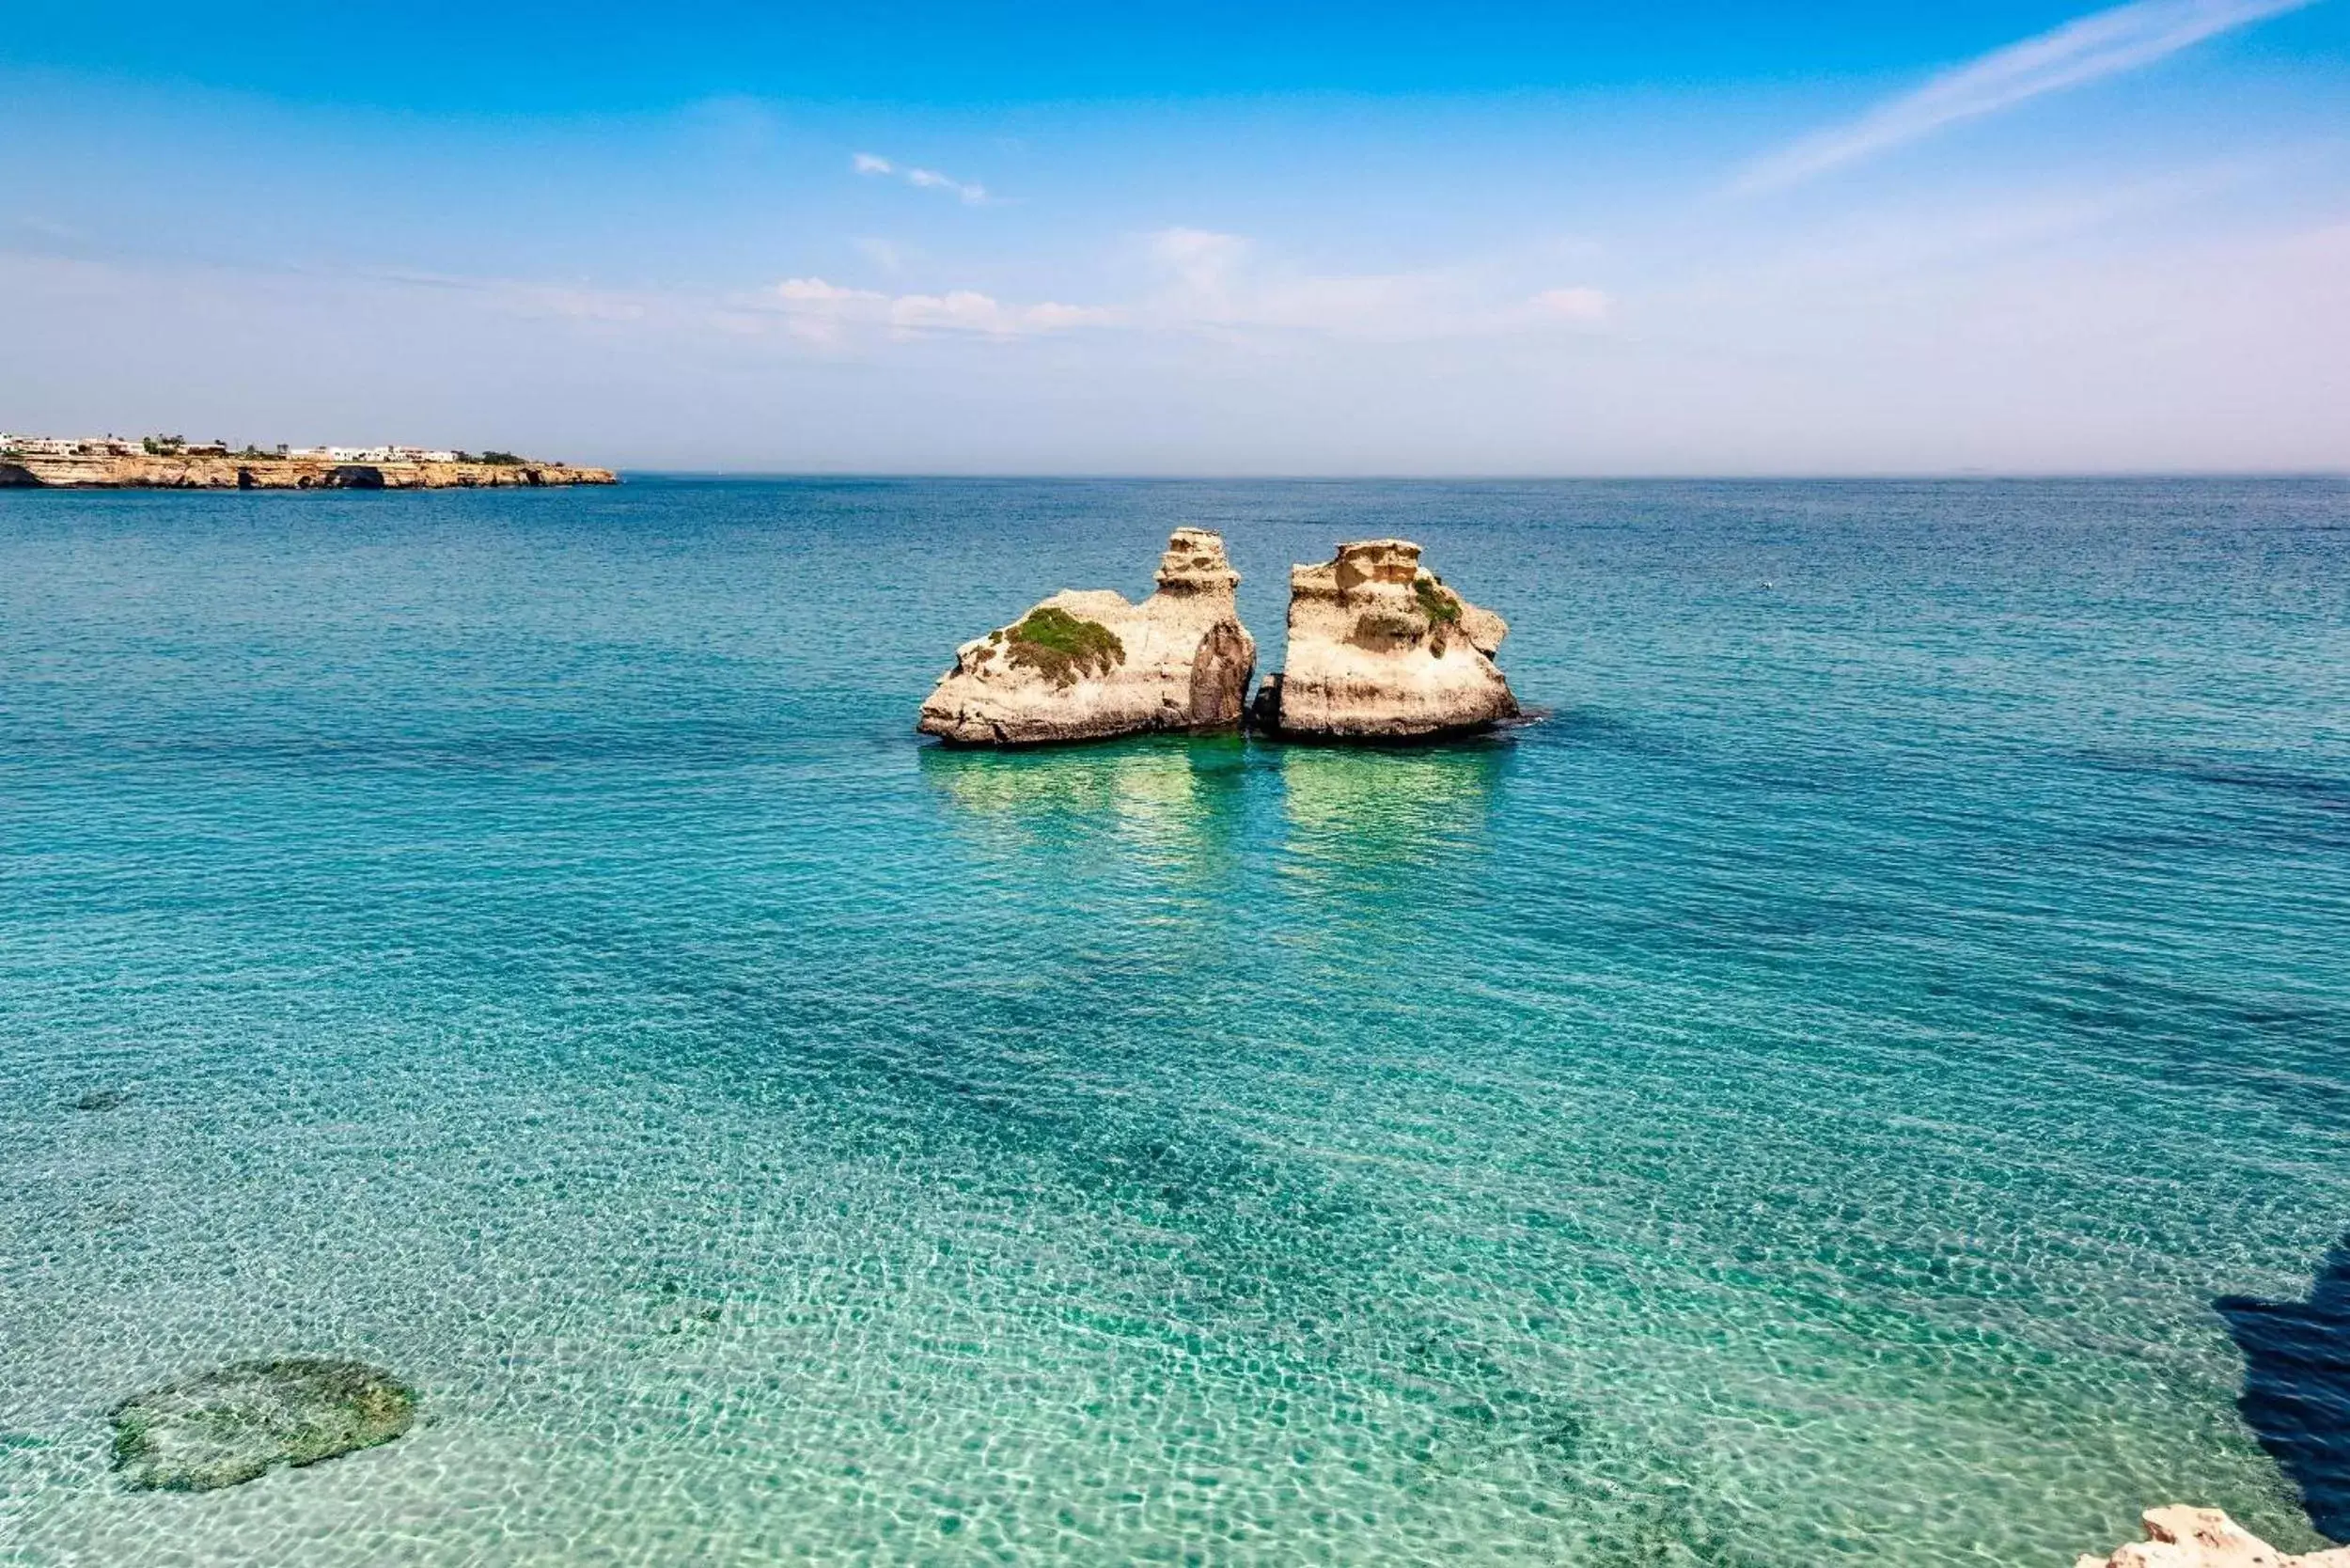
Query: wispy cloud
[[823, 312], [1197, 283], [1217, 284], [886, 254], [1580, 303], [2087, 49], [970, 192]]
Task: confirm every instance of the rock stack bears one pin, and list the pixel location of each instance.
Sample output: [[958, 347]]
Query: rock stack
[[1087, 665], [1380, 649]]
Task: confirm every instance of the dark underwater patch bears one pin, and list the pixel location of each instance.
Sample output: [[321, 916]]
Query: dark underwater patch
[[693, 742], [235, 1424], [2297, 1386], [2327, 794]]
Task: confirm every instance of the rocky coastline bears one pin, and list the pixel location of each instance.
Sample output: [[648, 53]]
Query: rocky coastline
[[2184, 1537], [175, 471]]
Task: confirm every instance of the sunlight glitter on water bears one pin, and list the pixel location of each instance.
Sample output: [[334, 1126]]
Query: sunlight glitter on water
[[1798, 1104]]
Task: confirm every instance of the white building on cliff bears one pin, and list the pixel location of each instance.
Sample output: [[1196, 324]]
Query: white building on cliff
[[71, 445], [373, 454]]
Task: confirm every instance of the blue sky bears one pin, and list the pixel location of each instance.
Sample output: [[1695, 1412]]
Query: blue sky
[[1208, 239]]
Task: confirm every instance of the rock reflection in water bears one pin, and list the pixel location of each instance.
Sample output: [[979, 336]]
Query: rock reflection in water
[[1168, 795], [1372, 816]]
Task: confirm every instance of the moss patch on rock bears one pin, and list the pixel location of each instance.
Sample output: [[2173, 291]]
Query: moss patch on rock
[[220, 1428], [1435, 598], [1062, 647]]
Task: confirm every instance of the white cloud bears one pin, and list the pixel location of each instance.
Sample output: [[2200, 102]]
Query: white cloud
[[2087, 49], [884, 253], [1054, 317], [1215, 282], [825, 312], [1202, 261], [969, 192], [2199, 347], [966, 310], [1579, 304], [931, 180], [815, 290]]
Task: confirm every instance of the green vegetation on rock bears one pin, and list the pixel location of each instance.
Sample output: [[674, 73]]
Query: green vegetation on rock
[[220, 1428], [1443, 609], [1062, 647]]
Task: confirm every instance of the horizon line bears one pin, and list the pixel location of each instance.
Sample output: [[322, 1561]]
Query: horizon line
[[1626, 476]]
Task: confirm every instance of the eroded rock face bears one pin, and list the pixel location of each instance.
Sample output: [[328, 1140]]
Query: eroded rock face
[[2178, 1537], [220, 1428], [1379, 648], [1086, 664], [234, 473]]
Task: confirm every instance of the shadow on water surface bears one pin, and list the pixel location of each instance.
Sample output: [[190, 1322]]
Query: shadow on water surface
[[2297, 1386]]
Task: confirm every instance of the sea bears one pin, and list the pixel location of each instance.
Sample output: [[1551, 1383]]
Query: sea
[[1864, 1078]]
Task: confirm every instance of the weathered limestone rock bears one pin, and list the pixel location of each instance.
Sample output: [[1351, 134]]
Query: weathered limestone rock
[[236, 473], [1379, 648], [224, 1427], [2179, 1537], [1086, 664]]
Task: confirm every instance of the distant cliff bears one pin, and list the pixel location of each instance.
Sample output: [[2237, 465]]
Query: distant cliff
[[249, 473]]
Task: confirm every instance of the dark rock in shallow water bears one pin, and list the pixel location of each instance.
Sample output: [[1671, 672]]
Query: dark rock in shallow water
[[103, 1099], [232, 1425], [2297, 1387]]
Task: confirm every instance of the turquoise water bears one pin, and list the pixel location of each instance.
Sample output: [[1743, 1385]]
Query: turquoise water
[[1796, 1106]]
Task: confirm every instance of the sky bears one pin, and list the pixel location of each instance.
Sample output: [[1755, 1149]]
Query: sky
[[1481, 238]]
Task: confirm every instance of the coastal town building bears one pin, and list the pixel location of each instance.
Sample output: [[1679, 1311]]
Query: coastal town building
[[71, 446], [375, 454], [121, 445], [174, 462]]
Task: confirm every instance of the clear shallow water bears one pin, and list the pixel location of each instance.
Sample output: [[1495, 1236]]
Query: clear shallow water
[[1797, 1105]]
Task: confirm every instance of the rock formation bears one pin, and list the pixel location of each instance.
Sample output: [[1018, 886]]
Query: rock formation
[[1086, 664], [2178, 1537], [231, 1425], [1379, 648], [248, 473]]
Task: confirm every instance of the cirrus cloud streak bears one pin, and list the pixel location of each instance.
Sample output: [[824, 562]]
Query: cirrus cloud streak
[[2087, 49], [970, 192]]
